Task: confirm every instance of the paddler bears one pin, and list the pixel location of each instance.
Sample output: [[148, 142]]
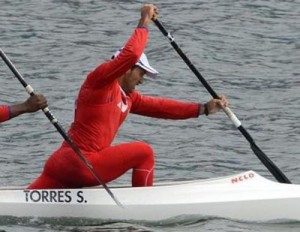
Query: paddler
[[104, 101]]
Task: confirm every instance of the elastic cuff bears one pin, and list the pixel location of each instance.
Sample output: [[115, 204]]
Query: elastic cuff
[[206, 112], [199, 110], [9, 112]]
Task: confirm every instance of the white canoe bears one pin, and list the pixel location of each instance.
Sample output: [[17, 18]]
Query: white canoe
[[245, 196]]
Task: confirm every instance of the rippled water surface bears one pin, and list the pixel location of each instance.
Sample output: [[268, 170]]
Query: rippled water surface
[[247, 50]]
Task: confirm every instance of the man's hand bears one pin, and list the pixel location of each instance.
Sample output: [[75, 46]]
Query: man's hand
[[32, 104], [214, 105], [148, 12], [35, 103]]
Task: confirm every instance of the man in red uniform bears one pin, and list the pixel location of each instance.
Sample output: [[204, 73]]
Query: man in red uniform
[[105, 99], [32, 104]]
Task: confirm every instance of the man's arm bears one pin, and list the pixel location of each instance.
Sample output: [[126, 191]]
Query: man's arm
[[32, 104], [173, 109], [163, 107], [111, 70], [4, 113]]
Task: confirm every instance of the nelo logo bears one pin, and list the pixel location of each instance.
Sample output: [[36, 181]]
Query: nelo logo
[[242, 178]]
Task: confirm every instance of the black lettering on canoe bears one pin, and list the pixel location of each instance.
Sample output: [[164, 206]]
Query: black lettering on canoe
[[80, 198], [68, 197], [45, 196], [53, 196], [35, 196]]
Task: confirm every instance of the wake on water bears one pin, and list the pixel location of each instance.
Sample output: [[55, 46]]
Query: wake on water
[[179, 223]]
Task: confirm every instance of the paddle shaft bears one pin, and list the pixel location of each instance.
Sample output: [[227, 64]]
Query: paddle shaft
[[276, 172], [59, 128]]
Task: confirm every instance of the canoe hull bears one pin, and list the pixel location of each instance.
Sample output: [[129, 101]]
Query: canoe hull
[[245, 196]]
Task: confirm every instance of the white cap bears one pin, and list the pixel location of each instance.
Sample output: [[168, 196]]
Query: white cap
[[143, 63]]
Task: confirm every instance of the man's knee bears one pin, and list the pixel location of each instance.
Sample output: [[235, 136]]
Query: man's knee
[[147, 150]]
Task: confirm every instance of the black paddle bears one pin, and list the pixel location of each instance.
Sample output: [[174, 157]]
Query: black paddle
[[59, 128], [257, 151]]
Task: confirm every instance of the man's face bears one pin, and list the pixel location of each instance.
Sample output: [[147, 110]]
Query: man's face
[[133, 77]]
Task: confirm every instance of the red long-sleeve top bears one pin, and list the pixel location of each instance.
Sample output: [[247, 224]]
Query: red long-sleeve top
[[102, 105], [4, 113]]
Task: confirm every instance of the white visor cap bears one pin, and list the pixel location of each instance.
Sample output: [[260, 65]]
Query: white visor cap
[[143, 63]]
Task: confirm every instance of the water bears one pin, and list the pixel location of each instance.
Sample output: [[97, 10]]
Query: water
[[246, 50]]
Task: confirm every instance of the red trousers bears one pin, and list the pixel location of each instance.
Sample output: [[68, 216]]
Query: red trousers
[[64, 169]]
